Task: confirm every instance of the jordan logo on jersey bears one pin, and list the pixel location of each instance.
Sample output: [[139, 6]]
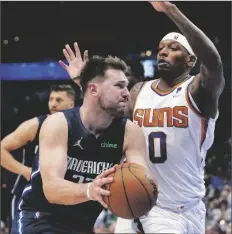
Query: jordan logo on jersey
[[163, 117], [78, 143]]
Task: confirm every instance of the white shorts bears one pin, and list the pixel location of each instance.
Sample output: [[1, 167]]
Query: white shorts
[[161, 220]]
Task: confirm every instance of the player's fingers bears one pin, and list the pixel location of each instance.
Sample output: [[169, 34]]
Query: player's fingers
[[62, 64], [107, 172], [77, 50], [66, 55], [86, 56], [103, 181], [70, 52], [103, 203], [104, 192]]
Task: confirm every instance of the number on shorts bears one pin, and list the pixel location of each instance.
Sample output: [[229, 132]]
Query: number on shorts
[[157, 147]]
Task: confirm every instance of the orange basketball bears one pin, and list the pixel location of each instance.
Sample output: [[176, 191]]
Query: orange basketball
[[133, 192]]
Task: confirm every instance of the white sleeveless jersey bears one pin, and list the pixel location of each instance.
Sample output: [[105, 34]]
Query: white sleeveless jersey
[[178, 139]]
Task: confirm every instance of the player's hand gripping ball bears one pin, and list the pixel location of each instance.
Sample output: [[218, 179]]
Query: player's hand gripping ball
[[133, 193]]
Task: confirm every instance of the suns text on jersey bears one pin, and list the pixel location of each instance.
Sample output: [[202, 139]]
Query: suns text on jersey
[[164, 117]]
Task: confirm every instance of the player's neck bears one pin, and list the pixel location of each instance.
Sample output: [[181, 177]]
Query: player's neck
[[94, 119], [173, 81]]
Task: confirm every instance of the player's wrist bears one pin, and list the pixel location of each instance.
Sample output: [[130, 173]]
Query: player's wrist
[[88, 192], [23, 170], [171, 9], [76, 78]]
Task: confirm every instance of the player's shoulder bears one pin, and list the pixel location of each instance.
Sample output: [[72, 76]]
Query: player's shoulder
[[132, 128], [137, 87], [41, 118], [30, 123], [57, 119]]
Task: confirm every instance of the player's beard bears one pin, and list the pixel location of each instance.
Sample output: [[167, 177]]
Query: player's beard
[[170, 74], [113, 109]]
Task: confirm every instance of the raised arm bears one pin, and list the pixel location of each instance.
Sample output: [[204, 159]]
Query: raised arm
[[25, 133], [209, 83], [53, 166], [134, 144], [75, 62]]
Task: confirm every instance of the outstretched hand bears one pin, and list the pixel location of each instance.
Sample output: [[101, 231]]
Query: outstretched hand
[[161, 6], [75, 61]]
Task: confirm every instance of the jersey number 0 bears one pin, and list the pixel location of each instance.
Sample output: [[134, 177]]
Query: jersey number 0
[[157, 147]]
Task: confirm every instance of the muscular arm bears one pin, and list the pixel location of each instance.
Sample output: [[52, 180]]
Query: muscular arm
[[209, 83], [53, 163], [25, 133], [132, 99], [134, 144]]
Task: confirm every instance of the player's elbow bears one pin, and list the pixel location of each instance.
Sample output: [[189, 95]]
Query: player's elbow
[[49, 192]]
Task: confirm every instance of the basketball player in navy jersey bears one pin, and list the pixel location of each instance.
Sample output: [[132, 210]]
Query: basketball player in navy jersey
[[26, 136], [78, 149], [177, 113]]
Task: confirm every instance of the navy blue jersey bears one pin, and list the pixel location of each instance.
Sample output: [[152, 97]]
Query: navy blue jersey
[[27, 154], [87, 157]]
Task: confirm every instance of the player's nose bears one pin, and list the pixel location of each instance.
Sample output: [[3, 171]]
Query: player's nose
[[163, 52], [126, 93]]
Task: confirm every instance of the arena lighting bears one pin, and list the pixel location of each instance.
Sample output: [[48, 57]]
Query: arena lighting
[[15, 110], [16, 38], [142, 54], [27, 98], [5, 42], [148, 53]]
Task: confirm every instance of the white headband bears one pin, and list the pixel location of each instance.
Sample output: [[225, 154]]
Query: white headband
[[180, 39]]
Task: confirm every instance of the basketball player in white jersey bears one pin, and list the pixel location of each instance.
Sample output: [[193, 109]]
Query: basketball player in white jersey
[[177, 113]]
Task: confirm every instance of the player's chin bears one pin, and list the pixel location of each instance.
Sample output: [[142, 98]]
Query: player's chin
[[164, 69], [53, 111], [120, 110]]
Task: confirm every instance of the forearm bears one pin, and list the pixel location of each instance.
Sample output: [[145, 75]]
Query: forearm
[[202, 46], [63, 192], [11, 164]]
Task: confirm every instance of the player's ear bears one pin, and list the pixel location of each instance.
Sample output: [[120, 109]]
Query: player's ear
[[93, 89], [71, 105], [191, 60]]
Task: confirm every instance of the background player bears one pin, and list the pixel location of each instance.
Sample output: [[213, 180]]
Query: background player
[[71, 154], [177, 113], [61, 97]]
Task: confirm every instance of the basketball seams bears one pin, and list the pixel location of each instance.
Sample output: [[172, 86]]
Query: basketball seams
[[124, 188], [123, 175], [150, 200]]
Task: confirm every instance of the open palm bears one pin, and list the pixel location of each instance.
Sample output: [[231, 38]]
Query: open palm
[[75, 61]]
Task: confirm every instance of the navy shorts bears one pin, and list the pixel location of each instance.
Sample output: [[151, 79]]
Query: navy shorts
[[31, 222]]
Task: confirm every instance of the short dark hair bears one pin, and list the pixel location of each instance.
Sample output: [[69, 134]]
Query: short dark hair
[[97, 65], [64, 88]]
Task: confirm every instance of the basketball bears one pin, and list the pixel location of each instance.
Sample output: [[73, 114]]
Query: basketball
[[133, 192]]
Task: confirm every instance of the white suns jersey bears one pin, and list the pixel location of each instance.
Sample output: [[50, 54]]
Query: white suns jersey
[[178, 139]]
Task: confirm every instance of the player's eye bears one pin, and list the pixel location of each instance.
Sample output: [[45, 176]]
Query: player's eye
[[121, 86], [174, 48]]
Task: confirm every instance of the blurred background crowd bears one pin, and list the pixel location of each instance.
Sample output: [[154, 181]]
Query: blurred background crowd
[[33, 36]]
